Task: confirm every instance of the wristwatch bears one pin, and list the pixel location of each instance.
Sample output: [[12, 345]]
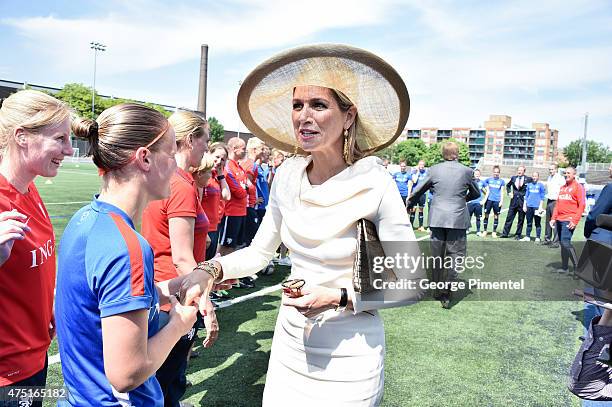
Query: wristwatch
[[343, 300]]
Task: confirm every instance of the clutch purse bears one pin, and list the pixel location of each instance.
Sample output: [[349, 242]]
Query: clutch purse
[[368, 247]]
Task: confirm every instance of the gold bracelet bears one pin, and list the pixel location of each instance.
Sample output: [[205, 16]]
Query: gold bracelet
[[211, 268]]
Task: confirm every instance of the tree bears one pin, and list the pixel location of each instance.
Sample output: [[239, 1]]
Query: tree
[[217, 132], [596, 152], [78, 96], [410, 151]]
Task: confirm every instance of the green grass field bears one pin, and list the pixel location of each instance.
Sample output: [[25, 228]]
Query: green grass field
[[478, 353]]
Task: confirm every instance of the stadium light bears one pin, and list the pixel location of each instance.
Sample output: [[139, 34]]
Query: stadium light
[[96, 46]]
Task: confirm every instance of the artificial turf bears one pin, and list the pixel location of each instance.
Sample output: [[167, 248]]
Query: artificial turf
[[478, 353]]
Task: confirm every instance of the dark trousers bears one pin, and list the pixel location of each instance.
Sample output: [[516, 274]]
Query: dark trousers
[[565, 240], [171, 374], [446, 243], [251, 226], [214, 243], [39, 380], [475, 208], [550, 234], [531, 216], [516, 206]]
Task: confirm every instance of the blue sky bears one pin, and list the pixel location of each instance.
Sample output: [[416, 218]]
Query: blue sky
[[537, 61]]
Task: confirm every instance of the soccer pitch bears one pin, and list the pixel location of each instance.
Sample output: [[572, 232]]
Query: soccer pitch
[[478, 353]]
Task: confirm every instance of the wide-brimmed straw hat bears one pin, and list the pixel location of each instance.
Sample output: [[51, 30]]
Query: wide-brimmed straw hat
[[372, 85]]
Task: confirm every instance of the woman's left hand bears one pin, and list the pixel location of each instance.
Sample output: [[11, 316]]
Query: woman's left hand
[[313, 300]]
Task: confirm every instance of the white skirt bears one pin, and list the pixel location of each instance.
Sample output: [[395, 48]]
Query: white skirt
[[336, 359]]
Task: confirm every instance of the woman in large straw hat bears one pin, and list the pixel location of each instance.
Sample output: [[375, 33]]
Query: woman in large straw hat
[[333, 105]]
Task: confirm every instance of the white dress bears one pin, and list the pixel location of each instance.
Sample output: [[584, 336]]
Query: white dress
[[337, 358]]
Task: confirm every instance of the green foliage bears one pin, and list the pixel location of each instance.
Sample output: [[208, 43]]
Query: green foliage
[[596, 152], [78, 96], [410, 151], [216, 130]]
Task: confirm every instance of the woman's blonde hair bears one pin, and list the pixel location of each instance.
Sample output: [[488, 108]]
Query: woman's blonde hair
[[185, 124], [119, 131], [216, 146], [31, 110], [351, 152], [207, 164]]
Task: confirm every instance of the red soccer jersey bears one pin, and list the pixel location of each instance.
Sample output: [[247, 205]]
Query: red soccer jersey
[[27, 281], [570, 203], [251, 171], [211, 198], [237, 180], [183, 202]]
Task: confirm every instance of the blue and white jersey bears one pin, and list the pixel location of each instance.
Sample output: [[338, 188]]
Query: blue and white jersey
[[418, 176], [495, 186], [263, 190], [401, 179], [536, 193], [105, 268], [481, 187]]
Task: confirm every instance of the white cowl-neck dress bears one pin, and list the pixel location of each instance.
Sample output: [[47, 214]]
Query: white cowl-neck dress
[[337, 358]]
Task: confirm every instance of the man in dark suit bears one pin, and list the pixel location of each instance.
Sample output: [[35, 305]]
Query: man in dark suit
[[452, 185], [518, 186]]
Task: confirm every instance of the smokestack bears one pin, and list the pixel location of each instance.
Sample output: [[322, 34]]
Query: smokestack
[[203, 79]]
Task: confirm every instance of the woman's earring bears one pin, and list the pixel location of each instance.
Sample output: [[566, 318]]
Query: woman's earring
[[346, 146]]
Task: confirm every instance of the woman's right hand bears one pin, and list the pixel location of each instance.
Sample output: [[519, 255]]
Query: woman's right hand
[[11, 228], [183, 317]]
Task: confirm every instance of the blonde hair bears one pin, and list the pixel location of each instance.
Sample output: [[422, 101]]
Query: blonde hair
[[353, 150], [450, 151], [207, 164], [119, 131], [186, 123], [216, 146], [31, 110], [254, 142]]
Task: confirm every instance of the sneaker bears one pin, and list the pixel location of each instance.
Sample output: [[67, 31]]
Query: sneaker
[[537, 239], [244, 283], [504, 236], [285, 261], [562, 271], [494, 234], [545, 242], [483, 234], [223, 295], [526, 239], [185, 404], [421, 229]]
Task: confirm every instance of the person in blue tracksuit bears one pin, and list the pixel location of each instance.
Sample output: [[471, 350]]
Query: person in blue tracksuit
[[417, 175], [475, 205], [533, 206], [402, 178], [493, 199]]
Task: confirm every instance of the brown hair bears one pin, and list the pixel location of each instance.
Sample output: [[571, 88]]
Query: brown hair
[[31, 110], [354, 152], [218, 145], [450, 151], [186, 123], [118, 132]]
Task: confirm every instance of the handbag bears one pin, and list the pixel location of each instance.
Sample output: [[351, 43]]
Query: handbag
[[368, 248]]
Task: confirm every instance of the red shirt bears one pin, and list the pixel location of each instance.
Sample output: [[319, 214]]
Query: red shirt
[[251, 170], [237, 180], [211, 199], [570, 203], [27, 282], [183, 202]]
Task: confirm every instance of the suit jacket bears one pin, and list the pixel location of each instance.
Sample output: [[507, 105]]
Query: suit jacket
[[452, 185], [518, 194]]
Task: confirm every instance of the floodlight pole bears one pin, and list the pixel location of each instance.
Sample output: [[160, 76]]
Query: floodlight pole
[[96, 46], [584, 144]]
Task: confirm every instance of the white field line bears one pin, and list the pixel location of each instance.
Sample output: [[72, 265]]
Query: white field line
[[79, 172], [53, 359]]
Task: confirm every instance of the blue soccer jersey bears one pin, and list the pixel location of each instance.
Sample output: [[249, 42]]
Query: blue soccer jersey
[[536, 192], [105, 268], [481, 186], [418, 176], [401, 179], [495, 186]]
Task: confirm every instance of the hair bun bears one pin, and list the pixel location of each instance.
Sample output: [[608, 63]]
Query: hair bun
[[85, 129]]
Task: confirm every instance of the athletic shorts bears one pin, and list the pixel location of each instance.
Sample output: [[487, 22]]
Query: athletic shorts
[[492, 204], [474, 208], [231, 231], [421, 202]]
